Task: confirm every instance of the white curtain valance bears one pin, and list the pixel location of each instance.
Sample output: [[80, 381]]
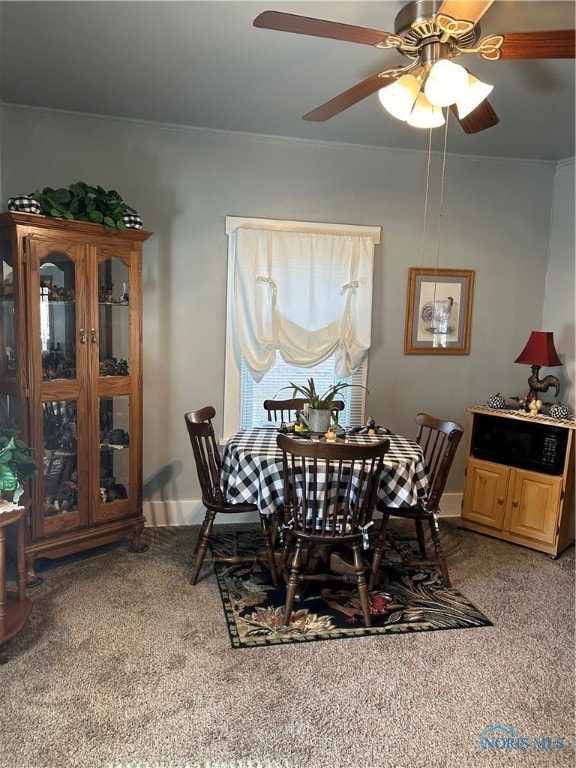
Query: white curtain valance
[[306, 295]]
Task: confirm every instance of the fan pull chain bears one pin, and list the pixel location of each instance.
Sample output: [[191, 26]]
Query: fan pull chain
[[442, 191], [426, 199]]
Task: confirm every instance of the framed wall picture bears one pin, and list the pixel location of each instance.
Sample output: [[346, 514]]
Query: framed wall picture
[[438, 311]]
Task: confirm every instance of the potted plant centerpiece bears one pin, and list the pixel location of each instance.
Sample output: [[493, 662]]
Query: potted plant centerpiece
[[16, 464], [319, 405]]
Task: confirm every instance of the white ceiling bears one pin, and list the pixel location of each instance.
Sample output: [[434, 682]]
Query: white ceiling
[[204, 64]]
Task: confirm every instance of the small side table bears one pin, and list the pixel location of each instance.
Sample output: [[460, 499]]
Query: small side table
[[14, 606]]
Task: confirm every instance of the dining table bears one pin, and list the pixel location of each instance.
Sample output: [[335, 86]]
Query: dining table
[[252, 470]]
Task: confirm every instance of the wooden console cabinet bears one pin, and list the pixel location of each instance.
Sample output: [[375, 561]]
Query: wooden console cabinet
[[71, 377], [523, 506]]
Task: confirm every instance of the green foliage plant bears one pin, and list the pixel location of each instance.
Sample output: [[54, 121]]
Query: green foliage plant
[[82, 202], [320, 402], [16, 464]]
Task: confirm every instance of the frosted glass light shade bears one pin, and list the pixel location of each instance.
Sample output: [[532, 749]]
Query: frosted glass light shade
[[399, 98], [425, 115], [445, 83], [474, 95]]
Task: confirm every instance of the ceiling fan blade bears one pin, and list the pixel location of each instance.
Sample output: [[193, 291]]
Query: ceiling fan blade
[[348, 98], [552, 44], [305, 25], [463, 10], [479, 119]]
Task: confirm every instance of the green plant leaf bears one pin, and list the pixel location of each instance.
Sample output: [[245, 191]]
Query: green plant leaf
[[96, 217], [18, 491], [8, 480], [79, 188], [62, 196]]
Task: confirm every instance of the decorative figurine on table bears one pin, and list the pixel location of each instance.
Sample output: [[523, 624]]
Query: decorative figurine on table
[[124, 299], [559, 411], [496, 401], [534, 406]]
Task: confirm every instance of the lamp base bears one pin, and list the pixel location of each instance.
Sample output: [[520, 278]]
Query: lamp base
[[539, 386]]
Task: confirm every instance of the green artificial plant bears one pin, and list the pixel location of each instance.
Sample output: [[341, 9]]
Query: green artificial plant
[[82, 202], [16, 464], [320, 402]]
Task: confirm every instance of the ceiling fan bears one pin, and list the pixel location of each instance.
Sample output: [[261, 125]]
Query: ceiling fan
[[427, 32]]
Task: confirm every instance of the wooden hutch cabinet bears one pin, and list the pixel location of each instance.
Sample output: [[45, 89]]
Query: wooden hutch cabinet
[[71, 377], [520, 479]]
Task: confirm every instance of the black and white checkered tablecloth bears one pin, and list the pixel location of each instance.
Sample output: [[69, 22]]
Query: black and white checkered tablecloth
[[252, 470]]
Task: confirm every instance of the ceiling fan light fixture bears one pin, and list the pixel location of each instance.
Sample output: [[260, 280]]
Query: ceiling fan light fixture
[[425, 114], [473, 96], [445, 83], [399, 98]]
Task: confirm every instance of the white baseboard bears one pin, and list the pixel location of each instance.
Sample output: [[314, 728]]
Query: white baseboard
[[191, 511], [451, 505]]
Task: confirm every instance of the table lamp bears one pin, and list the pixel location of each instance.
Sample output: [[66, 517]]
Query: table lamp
[[540, 351]]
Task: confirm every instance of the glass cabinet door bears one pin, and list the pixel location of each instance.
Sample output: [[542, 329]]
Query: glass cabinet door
[[58, 344], [9, 411], [60, 466], [113, 318], [58, 317], [8, 351], [114, 415]]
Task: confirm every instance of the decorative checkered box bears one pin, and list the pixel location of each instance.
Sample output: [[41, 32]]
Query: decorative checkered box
[[24, 204], [132, 221]]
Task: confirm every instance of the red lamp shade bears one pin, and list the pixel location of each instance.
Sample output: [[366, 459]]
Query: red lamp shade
[[539, 350]]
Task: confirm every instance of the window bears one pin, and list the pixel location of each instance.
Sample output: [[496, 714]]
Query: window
[[298, 305], [252, 394]]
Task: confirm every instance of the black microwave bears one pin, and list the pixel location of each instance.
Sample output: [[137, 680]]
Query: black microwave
[[522, 443]]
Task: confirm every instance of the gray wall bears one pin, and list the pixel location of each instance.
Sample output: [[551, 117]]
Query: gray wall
[[183, 182], [560, 288]]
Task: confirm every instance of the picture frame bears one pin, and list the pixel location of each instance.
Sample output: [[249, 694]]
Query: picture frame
[[439, 311]]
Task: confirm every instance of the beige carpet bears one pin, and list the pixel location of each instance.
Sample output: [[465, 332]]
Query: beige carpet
[[124, 664]]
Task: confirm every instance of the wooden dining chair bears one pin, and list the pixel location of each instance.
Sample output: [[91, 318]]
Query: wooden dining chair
[[330, 492], [439, 440], [208, 466], [285, 410]]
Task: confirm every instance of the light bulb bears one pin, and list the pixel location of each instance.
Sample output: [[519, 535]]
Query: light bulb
[[474, 95], [425, 114], [398, 98], [445, 83]]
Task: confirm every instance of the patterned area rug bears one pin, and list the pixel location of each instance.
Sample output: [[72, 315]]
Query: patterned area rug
[[410, 600]]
